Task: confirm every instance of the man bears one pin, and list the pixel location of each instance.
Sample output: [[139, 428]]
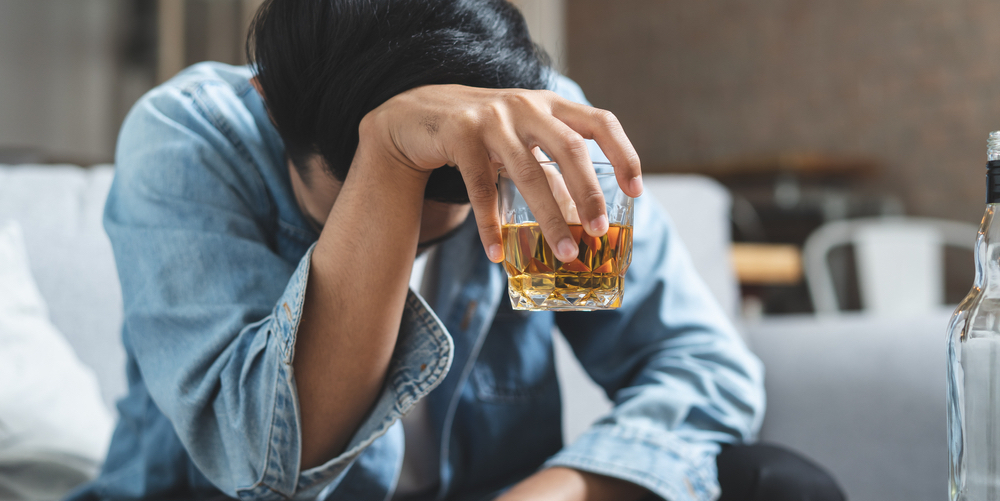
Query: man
[[265, 252]]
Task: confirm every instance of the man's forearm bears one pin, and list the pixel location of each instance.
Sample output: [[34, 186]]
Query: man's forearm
[[354, 301], [566, 484]]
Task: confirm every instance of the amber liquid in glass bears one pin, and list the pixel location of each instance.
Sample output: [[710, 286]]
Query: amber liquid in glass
[[539, 281]]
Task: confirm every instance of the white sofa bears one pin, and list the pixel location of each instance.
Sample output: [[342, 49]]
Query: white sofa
[[862, 396]]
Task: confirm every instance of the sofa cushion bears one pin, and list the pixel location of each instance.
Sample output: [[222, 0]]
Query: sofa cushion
[[54, 426], [59, 208]]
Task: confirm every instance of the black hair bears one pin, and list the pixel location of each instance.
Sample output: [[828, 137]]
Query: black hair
[[324, 64]]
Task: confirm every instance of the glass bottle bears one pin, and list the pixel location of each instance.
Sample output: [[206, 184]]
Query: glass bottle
[[974, 361]]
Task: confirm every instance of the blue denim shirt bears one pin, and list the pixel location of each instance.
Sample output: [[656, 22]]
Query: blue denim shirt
[[213, 255]]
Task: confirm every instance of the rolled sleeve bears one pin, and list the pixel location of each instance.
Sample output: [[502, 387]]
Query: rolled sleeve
[[664, 464], [280, 458], [423, 356]]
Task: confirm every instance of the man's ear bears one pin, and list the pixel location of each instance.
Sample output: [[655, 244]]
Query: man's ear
[[256, 85]]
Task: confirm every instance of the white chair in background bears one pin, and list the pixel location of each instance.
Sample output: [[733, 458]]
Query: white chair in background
[[899, 261]]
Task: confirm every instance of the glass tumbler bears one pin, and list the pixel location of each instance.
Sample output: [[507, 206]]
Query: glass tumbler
[[536, 279]]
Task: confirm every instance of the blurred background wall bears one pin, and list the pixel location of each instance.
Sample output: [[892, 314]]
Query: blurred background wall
[[71, 69], [910, 84], [63, 82], [808, 111], [907, 84]]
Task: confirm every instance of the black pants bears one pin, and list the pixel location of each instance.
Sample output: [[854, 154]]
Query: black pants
[[762, 472]]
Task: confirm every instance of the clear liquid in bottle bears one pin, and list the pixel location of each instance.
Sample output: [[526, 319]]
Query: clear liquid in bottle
[[974, 362]]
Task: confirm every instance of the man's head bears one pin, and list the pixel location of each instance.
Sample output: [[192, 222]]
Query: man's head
[[322, 65]]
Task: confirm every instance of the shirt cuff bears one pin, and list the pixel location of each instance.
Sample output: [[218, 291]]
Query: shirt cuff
[[421, 359], [663, 463]]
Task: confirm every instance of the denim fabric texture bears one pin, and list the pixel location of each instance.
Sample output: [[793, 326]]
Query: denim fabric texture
[[213, 255]]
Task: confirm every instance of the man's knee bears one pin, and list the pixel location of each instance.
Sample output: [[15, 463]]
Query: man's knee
[[762, 472]]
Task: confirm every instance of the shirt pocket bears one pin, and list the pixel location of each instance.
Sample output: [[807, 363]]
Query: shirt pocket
[[516, 363]]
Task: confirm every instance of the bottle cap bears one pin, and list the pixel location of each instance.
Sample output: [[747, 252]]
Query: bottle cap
[[993, 168], [993, 181]]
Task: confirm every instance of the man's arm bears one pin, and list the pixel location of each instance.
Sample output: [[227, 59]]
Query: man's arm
[[682, 380], [354, 300], [566, 484]]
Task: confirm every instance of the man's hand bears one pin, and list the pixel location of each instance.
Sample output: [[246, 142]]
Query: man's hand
[[565, 484], [479, 130]]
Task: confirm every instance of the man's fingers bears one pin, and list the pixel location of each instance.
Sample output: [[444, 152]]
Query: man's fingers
[[570, 151], [480, 180], [507, 133], [603, 127], [531, 181], [560, 192]]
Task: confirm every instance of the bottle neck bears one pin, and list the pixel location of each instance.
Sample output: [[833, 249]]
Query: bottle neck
[[988, 239], [993, 181]]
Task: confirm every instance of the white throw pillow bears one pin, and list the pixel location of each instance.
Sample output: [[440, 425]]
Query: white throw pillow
[[54, 426]]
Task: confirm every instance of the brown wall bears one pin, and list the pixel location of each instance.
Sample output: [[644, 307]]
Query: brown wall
[[913, 83]]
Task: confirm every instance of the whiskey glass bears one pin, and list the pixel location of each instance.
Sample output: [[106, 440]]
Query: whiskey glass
[[538, 281]]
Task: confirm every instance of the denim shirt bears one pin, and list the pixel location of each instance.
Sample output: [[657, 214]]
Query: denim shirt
[[213, 255]]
